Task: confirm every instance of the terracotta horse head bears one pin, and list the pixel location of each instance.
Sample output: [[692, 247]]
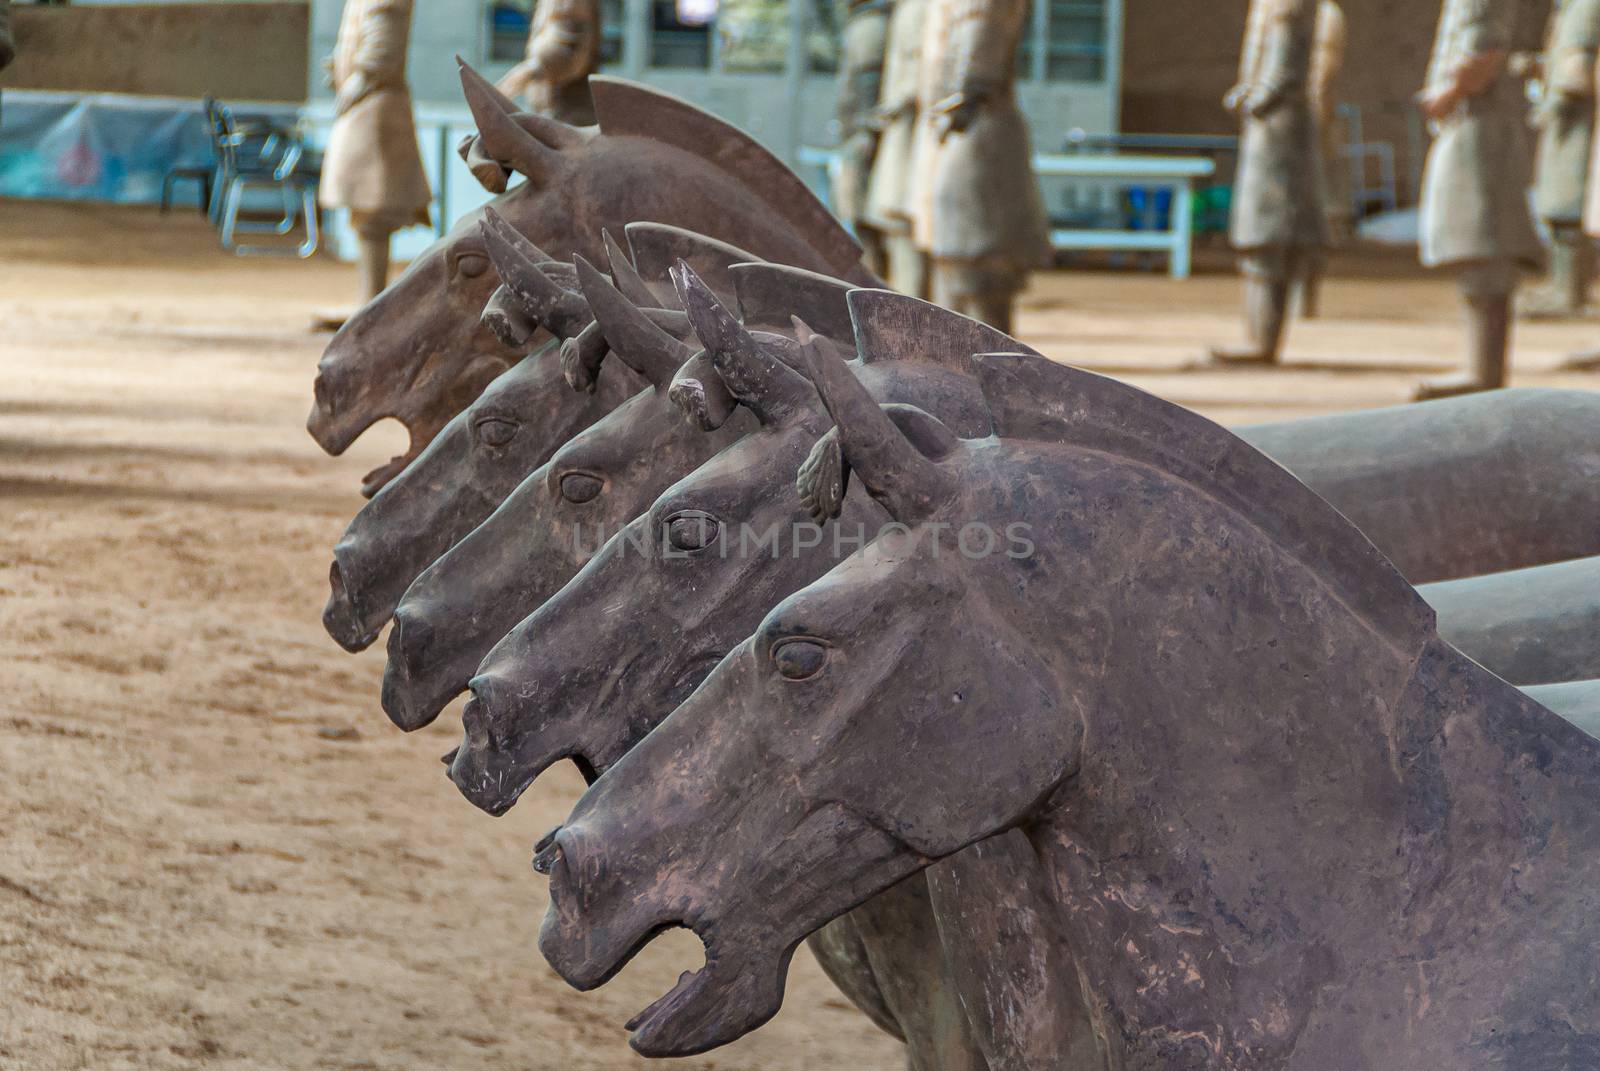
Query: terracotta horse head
[[1285, 823], [563, 513], [593, 669], [419, 353], [515, 426]]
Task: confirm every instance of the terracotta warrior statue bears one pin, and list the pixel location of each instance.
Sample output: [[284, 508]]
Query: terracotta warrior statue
[[890, 201], [1327, 62], [1278, 224], [866, 39], [982, 218], [1565, 118], [1474, 212], [372, 166], [563, 51]]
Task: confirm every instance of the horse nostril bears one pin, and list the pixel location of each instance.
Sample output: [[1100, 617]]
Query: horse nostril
[[547, 852], [322, 393], [413, 637], [340, 617], [474, 722], [336, 581]]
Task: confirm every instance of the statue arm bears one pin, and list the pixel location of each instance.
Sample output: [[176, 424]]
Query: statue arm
[[1571, 56], [983, 60], [1570, 75], [897, 90], [857, 106], [1327, 56], [1284, 68], [860, 81], [1249, 57], [1487, 31], [380, 56], [559, 51]]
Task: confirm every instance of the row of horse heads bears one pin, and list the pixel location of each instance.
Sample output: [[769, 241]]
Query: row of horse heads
[[1071, 728]]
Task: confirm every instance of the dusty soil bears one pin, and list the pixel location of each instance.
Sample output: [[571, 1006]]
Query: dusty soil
[[216, 852]]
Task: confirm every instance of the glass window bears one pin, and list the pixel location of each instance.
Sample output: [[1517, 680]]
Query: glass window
[[509, 23], [1075, 41], [680, 33]]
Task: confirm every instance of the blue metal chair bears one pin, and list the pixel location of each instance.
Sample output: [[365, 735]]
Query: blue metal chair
[[262, 157], [208, 175]]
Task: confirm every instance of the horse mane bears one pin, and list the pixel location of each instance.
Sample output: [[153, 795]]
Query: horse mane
[[657, 248], [1033, 398], [894, 327], [628, 109], [769, 294]]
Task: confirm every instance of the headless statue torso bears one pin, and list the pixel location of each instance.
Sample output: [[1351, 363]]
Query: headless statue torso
[[372, 166], [889, 198], [982, 220], [1338, 205], [1474, 209], [865, 41], [563, 51], [1565, 120], [1278, 223]]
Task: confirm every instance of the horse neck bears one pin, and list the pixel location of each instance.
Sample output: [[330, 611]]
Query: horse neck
[[1273, 792]]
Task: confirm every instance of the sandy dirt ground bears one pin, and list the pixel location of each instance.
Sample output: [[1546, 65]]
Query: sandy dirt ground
[[216, 852]]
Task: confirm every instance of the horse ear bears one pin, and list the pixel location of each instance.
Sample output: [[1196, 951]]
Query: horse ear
[[754, 375], [507, 319], [628, 280], [699, 391], [582, 355], [909, 483], [824, 477], [521, 242], [501, 139], [491, 175], [631, 334], [562, 311]]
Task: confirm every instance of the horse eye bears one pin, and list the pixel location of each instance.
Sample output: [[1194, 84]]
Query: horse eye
[[798, 660], [472, 265], [580, 487], [692, 530], [495, 432]]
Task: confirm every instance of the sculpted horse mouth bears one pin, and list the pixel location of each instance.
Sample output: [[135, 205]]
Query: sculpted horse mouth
[[494, 785], [679, 1023], [374, 481], [341, 617], [493, 777], [737, 989]]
